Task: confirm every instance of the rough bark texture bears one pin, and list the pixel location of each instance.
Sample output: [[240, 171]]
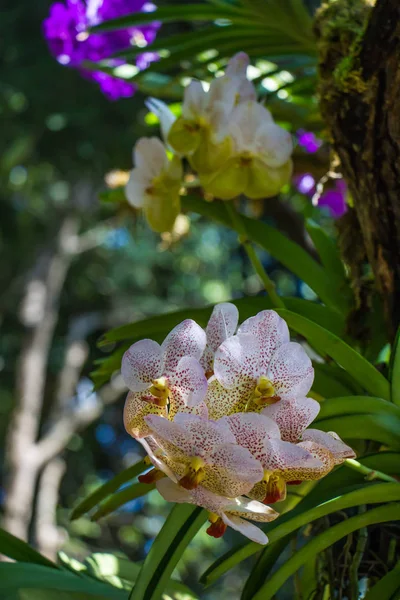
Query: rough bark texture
[[359, 61]]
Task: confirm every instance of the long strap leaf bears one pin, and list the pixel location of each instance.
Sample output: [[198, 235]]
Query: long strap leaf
[[382, 514], [108, 488], [16, 549], [181, 526], [388, 588]]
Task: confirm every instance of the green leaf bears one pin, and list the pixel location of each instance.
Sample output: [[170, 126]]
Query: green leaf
[[174, 13], [162, 324], [136, 490], [181, 526], [330, 380], [265, 563], [330, 256], [382, 428], [382, 514], [290, 254], [387, 587], [356, 405], [14, 576], [395, 370], [388, 462], [108, 488], [348, 358], [18, 550]]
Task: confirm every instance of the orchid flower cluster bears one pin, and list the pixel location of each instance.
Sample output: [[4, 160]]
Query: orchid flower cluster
[[224, 417], [66, 31], [228, 138]]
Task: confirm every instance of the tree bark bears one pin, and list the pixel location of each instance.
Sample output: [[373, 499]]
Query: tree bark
[[359, 67]]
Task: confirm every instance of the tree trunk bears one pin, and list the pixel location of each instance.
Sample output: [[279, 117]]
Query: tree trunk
[[359, 64]]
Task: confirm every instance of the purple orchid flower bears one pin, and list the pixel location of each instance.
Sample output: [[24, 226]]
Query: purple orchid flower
[[65, 30], [308, 140]]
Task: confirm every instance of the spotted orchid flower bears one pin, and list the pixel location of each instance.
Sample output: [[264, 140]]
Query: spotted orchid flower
[[164, 379], [222, 512], [330, 442], [199, 451], [258, 366], [259, 164], [221, 325], [154, 184], [281, 461]]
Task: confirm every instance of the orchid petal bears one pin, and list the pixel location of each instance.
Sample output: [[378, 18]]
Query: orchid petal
[[172, 492], [194, 101], [150, 157], [236, 361], [321, 453], [251, 430], [291, 371], [135, 411], [222, 402], [251, 509], [222, 324], [274, 144], [189, 382], [270, 330], [293, 416], [164, 114], [237, 65], [290, 460], [245, 124], [331, 441], [247, 529], [186, 339], [135, 189], [152, 449], [231, 470], [141, 364]]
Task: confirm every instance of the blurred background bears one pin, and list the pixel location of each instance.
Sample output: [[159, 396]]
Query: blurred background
[[73, 267]]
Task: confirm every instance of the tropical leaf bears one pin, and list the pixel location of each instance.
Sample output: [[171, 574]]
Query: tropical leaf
[[17, 576], [181, 526], [356, 365], [356, 405], [18, 550], [395, 370], [382, 514], [382, 428], [127, 494], [108, 488], [290, 254], [332, 381], [388, 588]]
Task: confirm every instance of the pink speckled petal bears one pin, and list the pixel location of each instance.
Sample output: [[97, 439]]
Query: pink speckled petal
[[251, 430], [250, 509], [221, 402], [222, 324], [155, 454], [141, 364], [135, 411], [291, 371], [188, 381], [271, 331], [288, 458], [186, 339], [331, 441], [247, 529], [231, 471], [189, 434], [236, 361], [293, 416]]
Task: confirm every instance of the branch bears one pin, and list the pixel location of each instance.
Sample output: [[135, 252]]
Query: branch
[[49, 537]]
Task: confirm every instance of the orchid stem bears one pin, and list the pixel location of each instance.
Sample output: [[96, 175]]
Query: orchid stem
[[370, 474], [239, 225]]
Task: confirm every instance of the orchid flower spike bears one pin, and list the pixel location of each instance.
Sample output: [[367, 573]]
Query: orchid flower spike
[[164, 379], [259, 164], [258, 366], [203, 452], [222, 512], [154, 184]]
